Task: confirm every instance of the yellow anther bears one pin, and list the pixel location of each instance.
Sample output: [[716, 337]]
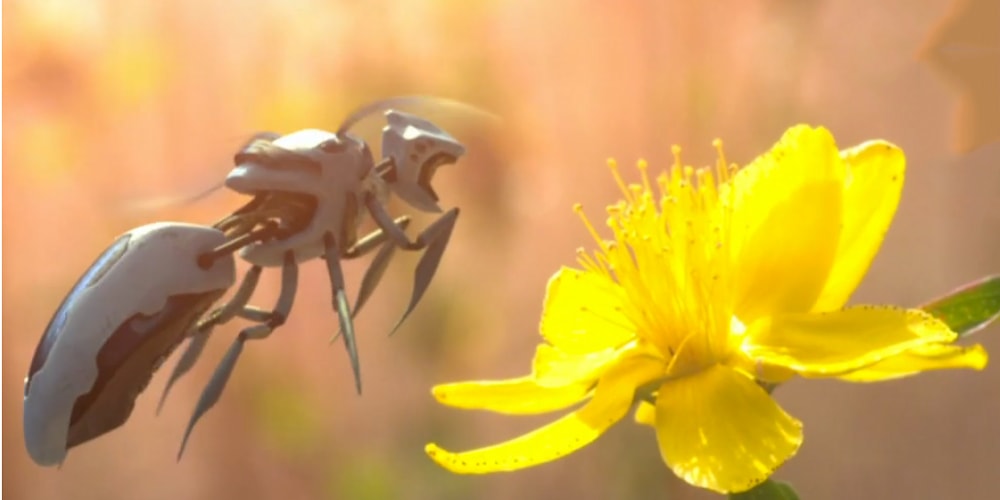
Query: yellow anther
[[676, 150], [721, 167], [636, 191]]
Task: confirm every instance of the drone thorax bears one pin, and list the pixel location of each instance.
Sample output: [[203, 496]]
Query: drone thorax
[[331, 172]]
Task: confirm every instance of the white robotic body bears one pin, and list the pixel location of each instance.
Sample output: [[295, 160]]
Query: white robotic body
[[410, 128], [158, 261], [417, 197], [416, 145], [271, 254], [43, 436], [251, 178], [343, 177], [307, 244], [304, 139], [129, 359], [96, 271]]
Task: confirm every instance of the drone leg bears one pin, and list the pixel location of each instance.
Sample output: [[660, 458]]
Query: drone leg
[[254, 313], [341, 305], [373, 275], [436, 235], [434, 239], [370, 241], [289, 284], [204, 327]]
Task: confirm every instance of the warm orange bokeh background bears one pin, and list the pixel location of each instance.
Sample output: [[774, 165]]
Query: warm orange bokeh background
[[110, 101]]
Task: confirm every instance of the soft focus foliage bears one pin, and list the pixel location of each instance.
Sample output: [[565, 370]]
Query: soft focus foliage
[[965, 49], [107, 102]]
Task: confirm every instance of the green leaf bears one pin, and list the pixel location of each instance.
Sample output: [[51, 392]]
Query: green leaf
[[363, 478], [969, 308], [768, 490]]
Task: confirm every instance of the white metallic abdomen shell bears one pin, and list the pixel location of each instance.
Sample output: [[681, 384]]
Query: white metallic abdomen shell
[[131, 290]]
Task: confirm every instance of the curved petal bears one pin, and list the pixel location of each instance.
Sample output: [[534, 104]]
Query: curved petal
[[519, 396], [921, 359], [583, 312], [834, 343], [554, 367], [558, 380], [874, 182], [785, 223], [612, 400], [719, 430]]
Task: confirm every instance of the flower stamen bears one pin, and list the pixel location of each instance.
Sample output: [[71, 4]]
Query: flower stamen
[[578, 208], [586, 260], [613, 166], [643, 166], [721, 166], [677, 352]]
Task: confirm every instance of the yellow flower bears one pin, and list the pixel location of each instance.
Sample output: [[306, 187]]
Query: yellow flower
[[724, 281]]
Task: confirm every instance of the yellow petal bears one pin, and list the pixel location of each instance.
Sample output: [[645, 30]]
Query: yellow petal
[[759, 370], [718, 429], [785, 223], [921, 359], [875, 172], [583, 312], [519, 396], [834, 343], [612, 400], [554, 367], [645, 414]]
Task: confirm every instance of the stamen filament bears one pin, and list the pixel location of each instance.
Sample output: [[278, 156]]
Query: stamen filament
[[721, 167], [578, 208], [613, 165], [677, 353], [643, 167]]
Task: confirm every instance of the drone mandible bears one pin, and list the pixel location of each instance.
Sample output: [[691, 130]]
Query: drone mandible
[[153, 287]]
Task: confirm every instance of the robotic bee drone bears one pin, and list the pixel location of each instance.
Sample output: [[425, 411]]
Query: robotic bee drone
[[153, 287]]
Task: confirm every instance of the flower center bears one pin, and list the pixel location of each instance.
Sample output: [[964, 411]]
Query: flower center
[[671, 256]]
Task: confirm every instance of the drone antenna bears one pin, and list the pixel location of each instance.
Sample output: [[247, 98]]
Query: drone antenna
[[161, 202], [385, 104]]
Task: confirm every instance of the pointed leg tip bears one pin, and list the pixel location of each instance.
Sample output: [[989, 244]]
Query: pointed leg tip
[[396, 327], [356, 368], [163, 399], [184, 442]]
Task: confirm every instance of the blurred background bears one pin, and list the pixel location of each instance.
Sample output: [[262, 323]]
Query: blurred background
[[110, 102]]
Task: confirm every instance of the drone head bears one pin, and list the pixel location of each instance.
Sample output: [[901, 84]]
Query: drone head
[[417, 148], [302, 162], [310, 161]]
